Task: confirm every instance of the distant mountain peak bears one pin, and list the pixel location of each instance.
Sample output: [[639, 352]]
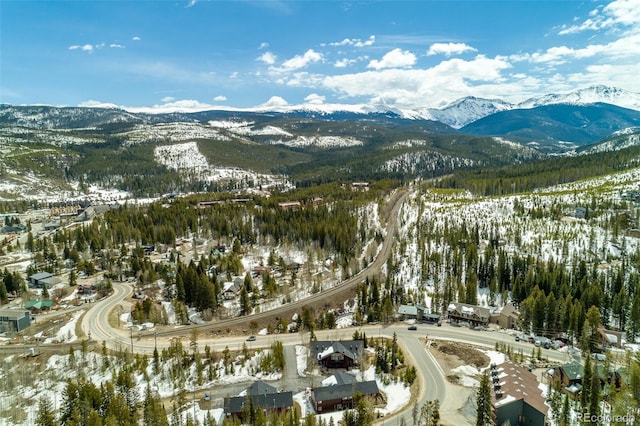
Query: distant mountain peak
[[589, 95]]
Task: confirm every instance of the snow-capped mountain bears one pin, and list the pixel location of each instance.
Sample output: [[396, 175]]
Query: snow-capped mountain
[[590, 95], [456, 115], [467, 110]]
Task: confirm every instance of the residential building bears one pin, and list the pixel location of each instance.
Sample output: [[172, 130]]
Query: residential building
[[472, 314], [569, 375], [38, 305], [13, 321], [261, 395], [416, 312], [340, 395], [37, 280], [516, 397], [507, 317], [231, 289], [337, 354]]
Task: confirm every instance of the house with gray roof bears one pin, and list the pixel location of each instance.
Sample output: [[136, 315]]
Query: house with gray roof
[[340, 396], [43, 279], [337, 354], [13, 321], [262, 396]]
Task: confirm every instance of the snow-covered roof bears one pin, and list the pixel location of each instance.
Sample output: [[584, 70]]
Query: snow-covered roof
[[326, 352]]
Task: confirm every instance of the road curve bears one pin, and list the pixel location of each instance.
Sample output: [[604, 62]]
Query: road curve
[[432, 381]]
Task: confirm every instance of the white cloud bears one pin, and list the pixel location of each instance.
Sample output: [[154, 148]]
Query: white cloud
[[90, 47], [619, 12], [84, 47], [191, 3], [624, 47], [136, 38], [344, 62], [314, 98], [449, 49], [397, 58], [97, 104], [596, 74], [185, 105], [220, 98], [263, 45], [268, 58], [355, 42], [409, 88], [301, 61], [168, 99]]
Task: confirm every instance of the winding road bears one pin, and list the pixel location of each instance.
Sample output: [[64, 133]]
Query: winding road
[[432, 382]]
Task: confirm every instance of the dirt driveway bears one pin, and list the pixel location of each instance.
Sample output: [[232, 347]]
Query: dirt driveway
[[458, 408]]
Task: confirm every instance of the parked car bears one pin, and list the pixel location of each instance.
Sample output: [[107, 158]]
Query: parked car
[[412, 327], [251, 338]]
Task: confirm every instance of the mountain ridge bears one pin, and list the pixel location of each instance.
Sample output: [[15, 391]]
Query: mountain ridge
[[456, 114]]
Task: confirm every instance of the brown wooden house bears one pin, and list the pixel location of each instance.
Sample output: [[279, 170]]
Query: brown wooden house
[[340, 396], [337, 354]]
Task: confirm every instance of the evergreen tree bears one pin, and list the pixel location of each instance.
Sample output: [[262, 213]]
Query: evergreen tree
[[594, 392], [565, 415], [46, 415], [586, 384], [483, 415]]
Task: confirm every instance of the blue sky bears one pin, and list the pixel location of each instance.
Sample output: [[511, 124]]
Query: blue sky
[[161, 55]]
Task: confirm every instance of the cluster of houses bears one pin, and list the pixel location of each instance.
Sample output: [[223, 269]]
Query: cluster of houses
[[17, 320], [569, 376], [336, 392], [463, 313]]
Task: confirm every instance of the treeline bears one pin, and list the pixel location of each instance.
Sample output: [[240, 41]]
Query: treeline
[[10, 282], [528, 176], [570, 298]]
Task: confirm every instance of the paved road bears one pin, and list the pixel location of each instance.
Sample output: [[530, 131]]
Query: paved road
[[331, 295], [98, 326], [433, 384], [432, 381], [95, 323]]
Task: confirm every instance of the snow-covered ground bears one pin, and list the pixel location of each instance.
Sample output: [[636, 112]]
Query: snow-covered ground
[[67, 333], [468, 375], [99, 369], [187, 158]]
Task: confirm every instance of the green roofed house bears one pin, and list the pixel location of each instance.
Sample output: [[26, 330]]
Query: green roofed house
[[569, 375], [416, 312], [13, 321], [38, 305]]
